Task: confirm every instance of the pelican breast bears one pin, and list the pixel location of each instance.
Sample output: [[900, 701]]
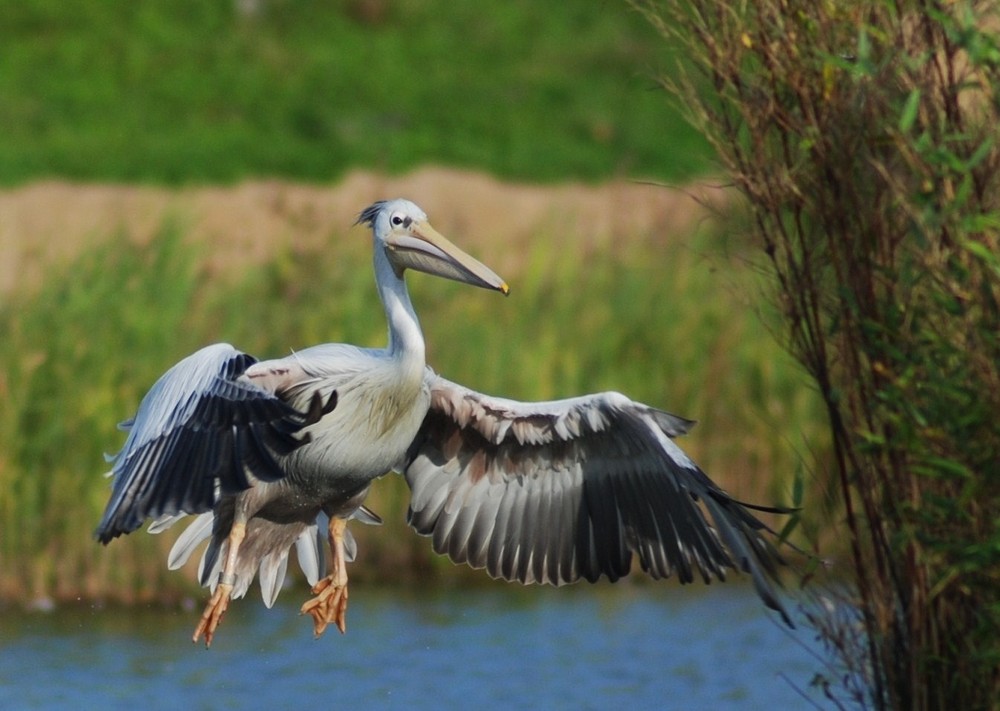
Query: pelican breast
[[382, 402]]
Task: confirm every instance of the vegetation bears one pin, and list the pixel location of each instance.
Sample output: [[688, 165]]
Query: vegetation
[[863, 136], [79, 354], [217, 90]]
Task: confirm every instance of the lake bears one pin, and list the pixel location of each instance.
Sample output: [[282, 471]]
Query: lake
[[634, 646]]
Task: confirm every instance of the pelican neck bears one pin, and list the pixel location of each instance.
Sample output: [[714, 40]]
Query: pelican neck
[[405, 336]]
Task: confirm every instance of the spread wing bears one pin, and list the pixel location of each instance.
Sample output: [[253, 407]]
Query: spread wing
[[556, 491], [200, 430]]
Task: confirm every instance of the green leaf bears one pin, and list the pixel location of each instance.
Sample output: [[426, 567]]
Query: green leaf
[[793, 522], [981, 250], [950, 467], [798, 488], [910, 109]]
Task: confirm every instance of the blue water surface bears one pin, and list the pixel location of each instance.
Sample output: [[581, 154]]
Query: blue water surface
[[609, 647]]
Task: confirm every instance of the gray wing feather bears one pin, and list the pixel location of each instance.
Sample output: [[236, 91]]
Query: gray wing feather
[[196, 532], [557, 491], [309, 551], [273, 567], [350, 546], [164, 522], [201, 428]]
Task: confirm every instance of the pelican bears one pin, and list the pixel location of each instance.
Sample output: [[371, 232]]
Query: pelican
[[546, 492]]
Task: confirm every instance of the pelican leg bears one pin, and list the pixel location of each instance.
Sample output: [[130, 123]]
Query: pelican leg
[[330, 603], [219, 602]]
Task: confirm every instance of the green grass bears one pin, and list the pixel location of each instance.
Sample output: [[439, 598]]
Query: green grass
[[658, 321], [193, 91]]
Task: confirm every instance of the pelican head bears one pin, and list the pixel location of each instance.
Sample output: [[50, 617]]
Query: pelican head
[[402, 230]]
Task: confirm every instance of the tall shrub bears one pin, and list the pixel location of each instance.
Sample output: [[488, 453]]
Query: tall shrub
[[864, 138]]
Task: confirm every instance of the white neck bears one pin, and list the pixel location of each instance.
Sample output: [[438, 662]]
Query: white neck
[[406, 341]]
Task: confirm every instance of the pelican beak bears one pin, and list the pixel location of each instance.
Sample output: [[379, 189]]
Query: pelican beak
[[425, 249]]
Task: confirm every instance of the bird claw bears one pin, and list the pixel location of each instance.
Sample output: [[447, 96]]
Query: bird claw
[[329, 605], [212, 616]]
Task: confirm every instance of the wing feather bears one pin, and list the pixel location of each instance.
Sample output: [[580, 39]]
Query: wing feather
[[201, 429], [557, 491], [564, 526], [537, 534], [601, 501], [465, 521], [198, 531], [309, 551], [482, 527], [273, 567], [513, 564]]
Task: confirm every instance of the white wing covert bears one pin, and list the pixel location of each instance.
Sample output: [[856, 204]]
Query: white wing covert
[[200, 430], [557, 491]]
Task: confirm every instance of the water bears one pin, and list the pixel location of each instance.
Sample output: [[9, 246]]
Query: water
[[649, 646]]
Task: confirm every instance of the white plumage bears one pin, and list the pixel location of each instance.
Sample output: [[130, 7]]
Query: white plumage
[[544, 492]]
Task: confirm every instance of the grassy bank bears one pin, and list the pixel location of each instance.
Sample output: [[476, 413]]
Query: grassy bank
[[657, 320], [217, 90]]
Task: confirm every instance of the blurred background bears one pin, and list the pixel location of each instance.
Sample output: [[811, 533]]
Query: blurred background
[[176, 174], [223, 90]]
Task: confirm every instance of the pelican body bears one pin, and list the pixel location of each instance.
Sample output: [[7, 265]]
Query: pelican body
[[546, 492]]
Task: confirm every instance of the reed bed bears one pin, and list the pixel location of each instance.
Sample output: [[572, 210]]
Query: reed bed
[[655, 318]]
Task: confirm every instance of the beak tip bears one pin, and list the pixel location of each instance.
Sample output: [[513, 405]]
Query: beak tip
[[504, 289]]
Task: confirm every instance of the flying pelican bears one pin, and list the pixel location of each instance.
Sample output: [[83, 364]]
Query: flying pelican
[[546, 492]]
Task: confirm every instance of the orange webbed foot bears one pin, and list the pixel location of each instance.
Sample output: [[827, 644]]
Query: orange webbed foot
[[212, 616], [329, 605]]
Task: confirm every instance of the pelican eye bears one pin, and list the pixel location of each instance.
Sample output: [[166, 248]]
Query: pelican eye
[[397, 220]]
